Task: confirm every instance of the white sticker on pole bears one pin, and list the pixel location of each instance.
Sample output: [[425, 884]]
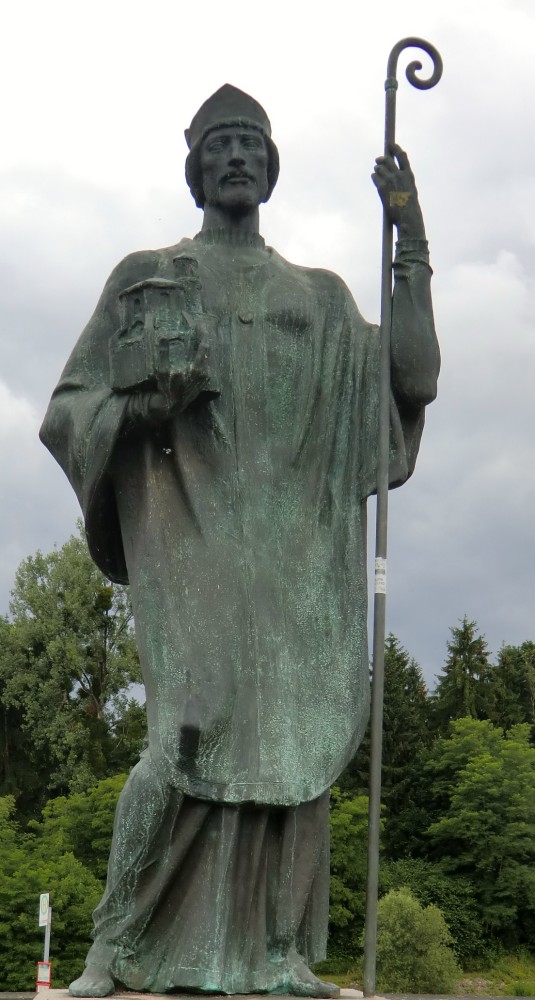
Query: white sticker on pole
[[44, 905], [380, 575]]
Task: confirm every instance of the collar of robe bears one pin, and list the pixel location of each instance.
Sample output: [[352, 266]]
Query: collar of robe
[[225, 237]]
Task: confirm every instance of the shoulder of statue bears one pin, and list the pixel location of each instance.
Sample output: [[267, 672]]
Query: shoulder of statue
[[142, 264], [333, 289], [135, 267], [318, 277]]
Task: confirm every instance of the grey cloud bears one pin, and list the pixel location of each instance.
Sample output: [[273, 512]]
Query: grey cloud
[[461, 535]]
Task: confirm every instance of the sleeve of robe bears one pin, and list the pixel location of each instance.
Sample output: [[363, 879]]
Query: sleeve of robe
[[413, 332], [85, 419]]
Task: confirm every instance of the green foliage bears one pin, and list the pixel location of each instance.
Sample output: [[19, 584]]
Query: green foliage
[[458, 788], [349, 837], [82, 824], [405, 736], [464, 688], [454, 895], [17, 772], [504, 975], [127, 729], [413, 946], [513, 686], [26, 870], [67, 658], [405, 712], [486, 829]]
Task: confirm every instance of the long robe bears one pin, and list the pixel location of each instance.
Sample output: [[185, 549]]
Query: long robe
[[240, 525]]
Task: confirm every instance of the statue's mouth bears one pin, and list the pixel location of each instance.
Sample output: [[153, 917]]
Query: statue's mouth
[[238, 178]]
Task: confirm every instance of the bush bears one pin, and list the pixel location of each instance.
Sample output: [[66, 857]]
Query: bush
[[413, 946]]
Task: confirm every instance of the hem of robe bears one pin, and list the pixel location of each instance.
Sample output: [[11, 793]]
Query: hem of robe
[[275, 794], [211, 897]]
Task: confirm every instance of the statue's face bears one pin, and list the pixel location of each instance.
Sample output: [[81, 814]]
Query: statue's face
[[234, 164]]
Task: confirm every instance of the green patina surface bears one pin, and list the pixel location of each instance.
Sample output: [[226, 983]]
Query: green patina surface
[[242, 524], [218, 422]]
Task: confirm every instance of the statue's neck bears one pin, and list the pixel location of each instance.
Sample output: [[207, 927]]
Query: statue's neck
[[237, 226], [229, 238]]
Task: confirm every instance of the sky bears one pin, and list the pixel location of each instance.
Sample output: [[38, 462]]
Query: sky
[[95, 101]]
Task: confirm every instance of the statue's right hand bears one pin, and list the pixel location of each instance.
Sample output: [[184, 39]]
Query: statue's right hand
[[158, 407], [148, 408]]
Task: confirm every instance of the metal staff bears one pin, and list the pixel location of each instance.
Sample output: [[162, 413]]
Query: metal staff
[[374, 817]]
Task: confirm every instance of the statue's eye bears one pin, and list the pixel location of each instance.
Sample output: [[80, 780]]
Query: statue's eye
[[216, 145]]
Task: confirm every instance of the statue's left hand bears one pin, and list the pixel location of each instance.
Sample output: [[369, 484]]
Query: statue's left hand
[[395, 183]]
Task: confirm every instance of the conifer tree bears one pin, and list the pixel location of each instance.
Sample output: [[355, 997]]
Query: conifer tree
[[513, 686], [464, 688], [405, 734]]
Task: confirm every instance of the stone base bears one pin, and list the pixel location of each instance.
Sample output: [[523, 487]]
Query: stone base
[[64, 995]]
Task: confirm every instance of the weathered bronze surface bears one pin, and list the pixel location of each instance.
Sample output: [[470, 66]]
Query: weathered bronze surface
[[218, 421]]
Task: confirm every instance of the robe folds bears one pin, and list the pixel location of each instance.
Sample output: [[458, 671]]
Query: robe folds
[[240, 523], [211, 897]]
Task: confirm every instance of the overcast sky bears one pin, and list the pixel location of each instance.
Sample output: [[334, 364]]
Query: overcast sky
[[95, 101]]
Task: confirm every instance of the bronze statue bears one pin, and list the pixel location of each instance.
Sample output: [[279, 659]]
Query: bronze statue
[[218, 421]]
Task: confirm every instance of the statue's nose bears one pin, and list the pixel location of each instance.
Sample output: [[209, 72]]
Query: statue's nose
[[236, 153]]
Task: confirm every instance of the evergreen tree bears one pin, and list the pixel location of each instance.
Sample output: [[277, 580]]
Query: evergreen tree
[[406, 733], [513, 686], [464, 688]]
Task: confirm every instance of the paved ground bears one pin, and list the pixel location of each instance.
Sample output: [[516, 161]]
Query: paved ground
[[17, 996]]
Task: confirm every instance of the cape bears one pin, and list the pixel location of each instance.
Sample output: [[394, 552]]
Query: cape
[[240, 524]]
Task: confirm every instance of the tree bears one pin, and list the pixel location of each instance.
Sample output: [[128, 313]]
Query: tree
[[67, 659], [349, 840], [405, 735], [81, 824], [513, 686], [26, 870], [485, 828], [464, 686], [16, 767]]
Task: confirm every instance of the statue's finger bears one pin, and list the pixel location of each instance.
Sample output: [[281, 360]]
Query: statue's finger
[[384, 172], [401, 156], [386, 161]]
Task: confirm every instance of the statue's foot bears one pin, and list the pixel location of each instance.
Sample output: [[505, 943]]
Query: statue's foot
[[301, 982], [94, 982]]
